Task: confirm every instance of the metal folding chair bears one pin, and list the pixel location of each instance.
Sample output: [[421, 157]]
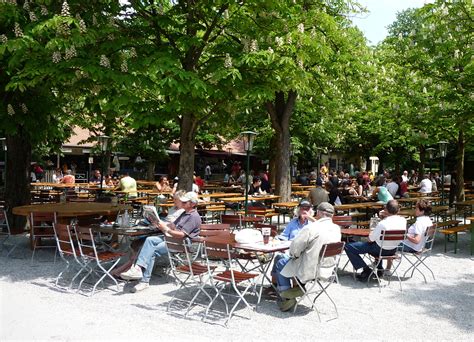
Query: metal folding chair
[[329, 258], [186, 271], [65, 236], [5, 232], [100, 263], [421, 256], [391, 237], [228, 278], [41, 228]]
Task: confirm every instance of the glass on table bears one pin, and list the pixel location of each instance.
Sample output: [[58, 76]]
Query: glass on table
[[266, 234]]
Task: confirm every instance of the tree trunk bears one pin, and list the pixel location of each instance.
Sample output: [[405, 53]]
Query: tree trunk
[[280, 114], [17, 191], [421, 170], [186, 159], [460, 167], [272, 160], [150, 170]]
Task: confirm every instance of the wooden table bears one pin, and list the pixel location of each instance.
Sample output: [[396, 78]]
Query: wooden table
[[471, 219], [71, 209], [355, 232]]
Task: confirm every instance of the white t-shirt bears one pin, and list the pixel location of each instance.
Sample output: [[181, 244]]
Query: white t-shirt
[[418, 228], [393, 222], [425, 186]]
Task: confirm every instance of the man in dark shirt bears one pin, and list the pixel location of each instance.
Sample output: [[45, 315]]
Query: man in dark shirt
[[187, 225]]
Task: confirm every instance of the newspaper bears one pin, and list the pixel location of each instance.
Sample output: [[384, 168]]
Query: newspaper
[[150, 213]]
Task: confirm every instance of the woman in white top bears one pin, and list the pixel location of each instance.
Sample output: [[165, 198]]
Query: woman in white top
[[415, 236]]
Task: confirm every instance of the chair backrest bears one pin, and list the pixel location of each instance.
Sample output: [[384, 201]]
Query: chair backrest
[[273, 227], [232, 220], [256, 211], [429, 237], [178, 254], [38, 218], [214, 229], [4, 222], [344, 221], [332, 251], [391, 238], [64, 239], [86, 242]]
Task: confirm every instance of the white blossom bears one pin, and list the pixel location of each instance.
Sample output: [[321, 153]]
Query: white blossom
[[33, 16], [300, 63], [104, 61], [65, 10], [82, 26], [44, 10], [301, 28], [133, 52], [279, 41], [124, 66], [70, 52], [253, 46], [227, 61], [3, 39], [226, 14], [94, 20], [289, 40], [400, 36], [456, 53], [17, 30], [10, 110], [24, 108], [56, 57], [424, 90], [245, 44], [26, 5], [270, 50]]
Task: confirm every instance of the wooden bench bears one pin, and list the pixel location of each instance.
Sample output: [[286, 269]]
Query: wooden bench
[[451, 227]]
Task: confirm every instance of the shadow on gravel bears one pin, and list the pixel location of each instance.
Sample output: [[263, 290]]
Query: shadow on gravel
[[451, 303]]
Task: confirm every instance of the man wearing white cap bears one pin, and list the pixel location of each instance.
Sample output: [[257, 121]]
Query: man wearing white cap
[[186, 226]]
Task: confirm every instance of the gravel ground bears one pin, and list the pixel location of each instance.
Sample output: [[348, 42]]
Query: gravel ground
[[32, 308]]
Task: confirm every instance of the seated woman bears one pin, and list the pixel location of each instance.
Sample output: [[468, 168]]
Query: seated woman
[[256, 187], [380, 192], [162, 185]]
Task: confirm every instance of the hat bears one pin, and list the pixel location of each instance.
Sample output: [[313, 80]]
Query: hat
[[305, 203], [326, 207], [319, 181], [189, 196]]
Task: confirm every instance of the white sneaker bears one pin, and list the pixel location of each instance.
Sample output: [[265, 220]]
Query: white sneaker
[[134, 273], [387, 273], [139, 287]]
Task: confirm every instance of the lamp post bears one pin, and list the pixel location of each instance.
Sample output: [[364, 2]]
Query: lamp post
[[431, 151], [443, 147], [4, 149], [103, 141], [248, 138]]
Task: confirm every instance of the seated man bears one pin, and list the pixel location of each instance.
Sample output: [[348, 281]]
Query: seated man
[[304, 254], [187, 225], [95, 177], [425, 185], [318, 195], [129, 185], [304, 216], [390, 221]]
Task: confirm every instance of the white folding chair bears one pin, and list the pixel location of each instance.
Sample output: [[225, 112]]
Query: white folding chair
[[387, 238], [41, 230], [420, 257], [228, 278], [65, 236], [325, 274], [186, 270], [5, 232], [100, 263]]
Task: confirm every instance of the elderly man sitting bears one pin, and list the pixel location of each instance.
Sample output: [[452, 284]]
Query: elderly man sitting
[[304, 254], [187, 225]]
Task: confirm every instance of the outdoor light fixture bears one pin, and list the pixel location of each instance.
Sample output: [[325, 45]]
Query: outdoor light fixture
[[103, 141], [248, 138], [229, 151], [443, 147], [431, 152]]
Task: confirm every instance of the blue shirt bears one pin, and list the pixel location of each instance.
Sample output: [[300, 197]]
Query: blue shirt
[[292, 229], [383, 195]]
